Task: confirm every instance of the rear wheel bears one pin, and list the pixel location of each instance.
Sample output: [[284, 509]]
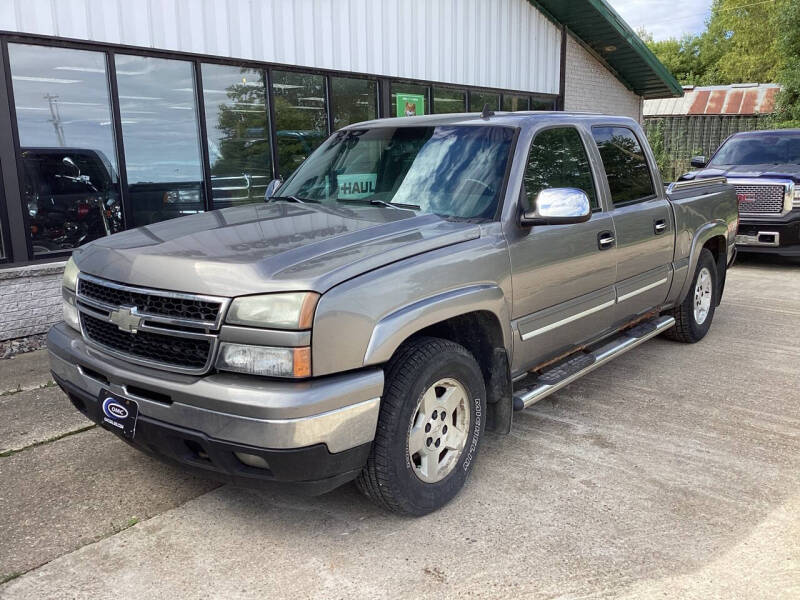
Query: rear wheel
[[694, 315], [431, 421]]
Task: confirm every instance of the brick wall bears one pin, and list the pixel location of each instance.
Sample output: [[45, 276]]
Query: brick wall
[[30, 299], [590, 87]]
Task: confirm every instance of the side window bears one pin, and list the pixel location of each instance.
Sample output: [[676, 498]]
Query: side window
[[625, 163], [558, 159]]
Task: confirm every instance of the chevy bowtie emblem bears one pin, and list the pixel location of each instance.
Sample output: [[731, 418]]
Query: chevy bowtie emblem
[[126, 319]]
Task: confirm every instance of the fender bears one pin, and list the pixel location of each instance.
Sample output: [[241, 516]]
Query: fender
[[714, 228], [393, 329]]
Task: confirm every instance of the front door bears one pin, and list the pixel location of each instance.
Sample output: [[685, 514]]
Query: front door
[[562, 275], [643, 224]]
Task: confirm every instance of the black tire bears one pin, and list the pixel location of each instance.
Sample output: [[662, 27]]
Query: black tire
[[687, 329], [389, 478]]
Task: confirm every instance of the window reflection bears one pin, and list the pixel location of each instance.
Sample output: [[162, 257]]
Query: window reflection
[[477, 100], [512, 102], [237, 124], [70, 187], [558, 159], [301, 121], [542, 103], [353, 100], [626, 167], [446, 100], [161, 137]]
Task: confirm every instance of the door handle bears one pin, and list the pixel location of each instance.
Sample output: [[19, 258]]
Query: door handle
[[605, 240], [659, 226]]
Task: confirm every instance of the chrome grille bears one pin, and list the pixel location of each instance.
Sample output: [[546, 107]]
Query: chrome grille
[[153, 347], [157, 328], [766, 198], [167, 306]]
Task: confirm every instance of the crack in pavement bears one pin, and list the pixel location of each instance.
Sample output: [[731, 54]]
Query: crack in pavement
[[14, 451]]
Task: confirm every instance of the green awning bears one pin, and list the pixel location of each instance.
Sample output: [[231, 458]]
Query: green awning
[[611, 39]]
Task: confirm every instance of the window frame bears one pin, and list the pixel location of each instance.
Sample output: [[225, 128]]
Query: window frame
[[612, 204], [13, 220], [586, 149]]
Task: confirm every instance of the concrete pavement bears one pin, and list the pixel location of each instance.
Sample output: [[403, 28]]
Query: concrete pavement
[[673, 471]]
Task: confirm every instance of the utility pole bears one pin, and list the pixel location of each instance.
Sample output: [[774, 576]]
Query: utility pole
[[56, 119]]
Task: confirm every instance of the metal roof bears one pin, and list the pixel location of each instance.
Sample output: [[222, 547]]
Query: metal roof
[[736, 99], [610, 38]]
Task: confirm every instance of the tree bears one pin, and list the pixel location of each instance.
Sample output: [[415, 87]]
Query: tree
[[736, 47], [787, 25], [738, 37]]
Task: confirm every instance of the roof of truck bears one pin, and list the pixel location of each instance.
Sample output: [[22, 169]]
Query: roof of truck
[[512, 119]]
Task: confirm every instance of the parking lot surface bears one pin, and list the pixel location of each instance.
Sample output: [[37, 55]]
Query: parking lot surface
[[673, 471]]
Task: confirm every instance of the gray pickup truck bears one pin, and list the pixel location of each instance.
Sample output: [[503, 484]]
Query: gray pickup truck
[[409, 287]]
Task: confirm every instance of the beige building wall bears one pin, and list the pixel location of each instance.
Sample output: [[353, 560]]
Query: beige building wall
[[590, 87]]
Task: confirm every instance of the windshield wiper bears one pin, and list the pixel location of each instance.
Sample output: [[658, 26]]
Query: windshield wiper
[[394, 204], [293, 199]]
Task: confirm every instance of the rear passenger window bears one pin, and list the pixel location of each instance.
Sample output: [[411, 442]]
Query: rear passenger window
[[626, 166], [558, 159]]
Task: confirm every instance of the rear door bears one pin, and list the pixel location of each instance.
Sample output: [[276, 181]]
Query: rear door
[[562, 275], [643, 222]]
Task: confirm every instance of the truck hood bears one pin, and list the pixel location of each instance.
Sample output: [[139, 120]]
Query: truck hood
[[787, 171], [270, 247]]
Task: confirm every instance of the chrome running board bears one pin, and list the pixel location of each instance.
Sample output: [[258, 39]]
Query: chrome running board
[[538, 386]]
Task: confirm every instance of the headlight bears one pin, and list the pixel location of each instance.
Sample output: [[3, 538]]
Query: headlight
[[69, 310], [70, 279], [69, 284], [274, 311], [264, 360]]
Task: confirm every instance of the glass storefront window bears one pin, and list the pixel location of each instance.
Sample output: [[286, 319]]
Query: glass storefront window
[[70, 186], [477, 100], [301, 120], [447, 100], [237, 125], [514, 103], [542, 103], [353, 100], [409, 100], [161, 137]]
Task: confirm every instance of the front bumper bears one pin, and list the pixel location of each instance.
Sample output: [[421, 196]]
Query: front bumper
[[315, 434], [770, 235]]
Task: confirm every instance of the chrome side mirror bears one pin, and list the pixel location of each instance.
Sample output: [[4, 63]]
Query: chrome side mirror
[[272, 187], [558, 206], [698, 162]]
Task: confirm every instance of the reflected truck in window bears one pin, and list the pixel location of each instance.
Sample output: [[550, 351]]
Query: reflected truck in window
[[410, 286]]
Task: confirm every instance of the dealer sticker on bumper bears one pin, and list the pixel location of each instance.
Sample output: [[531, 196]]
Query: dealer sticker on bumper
[[118, 414]]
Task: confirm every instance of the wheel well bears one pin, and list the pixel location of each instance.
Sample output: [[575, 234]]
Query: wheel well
[[480, 333], [718, 248]]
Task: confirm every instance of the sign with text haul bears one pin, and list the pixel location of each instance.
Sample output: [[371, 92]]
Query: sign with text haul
[[355, 186]]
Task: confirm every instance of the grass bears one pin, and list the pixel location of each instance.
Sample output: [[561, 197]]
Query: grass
[[8, 453], [9, 577], [126, 525], [114, 530], [19, 388]]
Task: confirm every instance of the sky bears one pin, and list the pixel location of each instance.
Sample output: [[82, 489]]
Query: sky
[[664, 18]]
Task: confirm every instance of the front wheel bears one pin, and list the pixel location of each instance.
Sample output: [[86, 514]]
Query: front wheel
[[431, 421], [694, 315]]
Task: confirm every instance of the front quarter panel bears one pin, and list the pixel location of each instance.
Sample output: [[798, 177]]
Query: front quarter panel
[[363, 321]]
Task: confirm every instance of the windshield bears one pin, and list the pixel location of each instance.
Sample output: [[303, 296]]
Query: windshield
[[768, 149], [453, 171]]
